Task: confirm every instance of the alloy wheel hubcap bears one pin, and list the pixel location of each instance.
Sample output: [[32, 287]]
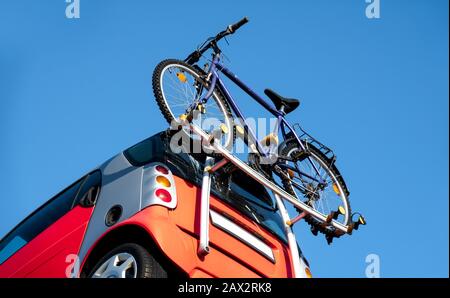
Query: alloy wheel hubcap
[[121, 265]]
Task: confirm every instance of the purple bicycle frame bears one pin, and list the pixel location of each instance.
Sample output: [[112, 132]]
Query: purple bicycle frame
[[216, 81]]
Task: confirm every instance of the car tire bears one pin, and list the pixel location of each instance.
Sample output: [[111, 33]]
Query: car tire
[[129, 260]]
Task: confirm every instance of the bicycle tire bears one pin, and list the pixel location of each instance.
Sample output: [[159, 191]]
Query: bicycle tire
[[289, 146], [165, 109]]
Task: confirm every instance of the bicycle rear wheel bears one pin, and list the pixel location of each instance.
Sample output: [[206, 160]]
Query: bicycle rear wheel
[[323, 197], [177, 85]]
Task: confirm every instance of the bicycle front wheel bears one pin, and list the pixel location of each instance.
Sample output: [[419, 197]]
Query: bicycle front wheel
[[177, 85]]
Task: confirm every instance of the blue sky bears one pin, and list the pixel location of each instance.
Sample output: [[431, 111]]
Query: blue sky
[[75, 92]]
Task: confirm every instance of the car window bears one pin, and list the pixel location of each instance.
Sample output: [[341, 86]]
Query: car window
[[243, 194], [251, 189], [38, 221], [146, 151], [253, 200], [157, 149]]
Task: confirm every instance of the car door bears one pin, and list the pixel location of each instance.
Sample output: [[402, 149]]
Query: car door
[[46, 243]]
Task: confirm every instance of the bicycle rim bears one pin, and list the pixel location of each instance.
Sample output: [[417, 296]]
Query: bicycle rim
[[178, 87], [330, 198]]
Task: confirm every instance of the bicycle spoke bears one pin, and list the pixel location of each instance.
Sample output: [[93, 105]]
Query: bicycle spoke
[[307, 175], [181, 87]]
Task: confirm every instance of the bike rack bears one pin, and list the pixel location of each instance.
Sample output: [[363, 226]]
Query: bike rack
[[203, 248], [208, 142]]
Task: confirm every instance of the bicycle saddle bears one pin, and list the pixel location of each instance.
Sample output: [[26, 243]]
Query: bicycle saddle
[[289, 104]]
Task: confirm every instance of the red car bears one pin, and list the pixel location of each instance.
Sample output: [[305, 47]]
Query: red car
[[137, 216]]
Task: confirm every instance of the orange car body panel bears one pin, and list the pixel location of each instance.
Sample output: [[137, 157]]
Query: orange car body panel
[[176, 232]]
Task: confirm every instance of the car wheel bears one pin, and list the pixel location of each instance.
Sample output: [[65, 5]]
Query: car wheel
[[128, 260]]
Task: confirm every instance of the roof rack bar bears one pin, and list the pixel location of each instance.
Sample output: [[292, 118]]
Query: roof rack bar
[[218, 165], [299, 217], [292, 242], [203, 248]]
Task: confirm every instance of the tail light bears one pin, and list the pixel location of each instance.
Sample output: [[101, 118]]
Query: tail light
[[163, 195], [158, 186], [163, 181], [162, 169]]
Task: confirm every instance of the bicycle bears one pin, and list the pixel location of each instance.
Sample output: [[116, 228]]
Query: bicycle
[[305, 166]]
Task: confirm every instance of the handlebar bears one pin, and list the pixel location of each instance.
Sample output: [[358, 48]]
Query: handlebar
[[194, 57], [234, 27]]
